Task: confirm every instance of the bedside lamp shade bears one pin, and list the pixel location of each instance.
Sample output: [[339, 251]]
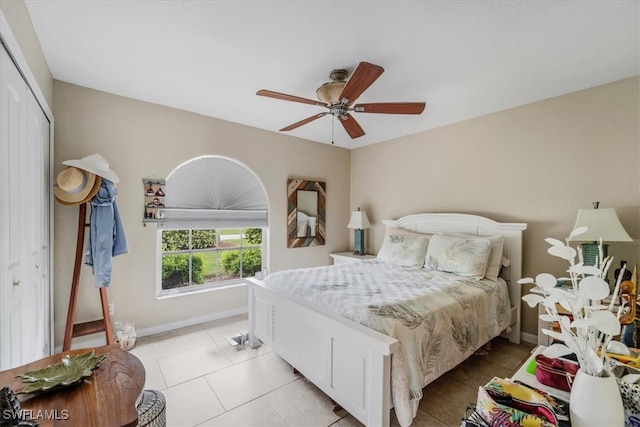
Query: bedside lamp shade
[[601, 224], [359, 222]]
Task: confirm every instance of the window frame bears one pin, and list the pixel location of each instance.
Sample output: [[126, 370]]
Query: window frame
[[199, 288]]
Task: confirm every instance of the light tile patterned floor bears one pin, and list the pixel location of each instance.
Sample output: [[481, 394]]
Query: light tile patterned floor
[[208, 382]]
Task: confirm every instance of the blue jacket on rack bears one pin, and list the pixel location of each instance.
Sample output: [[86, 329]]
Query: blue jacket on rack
[[106, 233]]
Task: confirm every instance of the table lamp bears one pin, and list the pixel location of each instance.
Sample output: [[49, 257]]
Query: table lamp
[[359, 222], [601, 224]]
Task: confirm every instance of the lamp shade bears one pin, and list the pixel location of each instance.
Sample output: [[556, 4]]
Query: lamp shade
[[601, 224], [359, 220]]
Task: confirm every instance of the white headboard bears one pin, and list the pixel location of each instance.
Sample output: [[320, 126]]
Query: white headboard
[[479, 226]]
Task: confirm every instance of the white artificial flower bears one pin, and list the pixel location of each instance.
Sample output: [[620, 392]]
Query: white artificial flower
[[594, 324]]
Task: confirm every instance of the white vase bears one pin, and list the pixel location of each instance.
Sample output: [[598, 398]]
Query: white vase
[[595, 401]]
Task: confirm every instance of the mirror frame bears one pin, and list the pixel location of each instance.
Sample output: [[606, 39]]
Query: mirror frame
[[293, 185]]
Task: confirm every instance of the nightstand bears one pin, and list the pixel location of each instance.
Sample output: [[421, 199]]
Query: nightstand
[[349, 257]]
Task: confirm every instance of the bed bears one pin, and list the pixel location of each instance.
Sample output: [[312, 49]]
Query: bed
[[374, 355]]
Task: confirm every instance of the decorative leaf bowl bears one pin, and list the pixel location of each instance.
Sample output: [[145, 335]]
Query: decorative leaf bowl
[[69, 371]]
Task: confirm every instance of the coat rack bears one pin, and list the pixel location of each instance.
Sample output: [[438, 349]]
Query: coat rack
[[87, 328]]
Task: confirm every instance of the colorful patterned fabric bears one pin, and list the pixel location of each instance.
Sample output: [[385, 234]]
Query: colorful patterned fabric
[[502, 402]]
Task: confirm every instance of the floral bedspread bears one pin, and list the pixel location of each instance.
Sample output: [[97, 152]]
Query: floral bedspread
[[440, 319]]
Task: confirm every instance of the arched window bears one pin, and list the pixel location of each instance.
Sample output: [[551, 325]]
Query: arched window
[[215, 217]]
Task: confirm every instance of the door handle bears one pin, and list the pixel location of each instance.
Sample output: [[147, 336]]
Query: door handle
[[16, 282]]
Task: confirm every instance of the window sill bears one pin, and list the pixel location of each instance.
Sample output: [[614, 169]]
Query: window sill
[[180, 292]]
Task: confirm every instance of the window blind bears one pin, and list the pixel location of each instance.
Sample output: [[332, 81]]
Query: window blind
[[212, 218], [214, 192]]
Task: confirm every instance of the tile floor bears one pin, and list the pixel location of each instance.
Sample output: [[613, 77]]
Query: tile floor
[[208, 382]]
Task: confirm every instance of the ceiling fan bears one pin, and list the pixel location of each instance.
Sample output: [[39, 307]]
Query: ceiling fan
[[339, 96]]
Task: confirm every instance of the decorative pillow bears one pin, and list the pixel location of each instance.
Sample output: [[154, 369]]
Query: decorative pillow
[[458, 255], [393, 231], [408, 250], [494, 264]]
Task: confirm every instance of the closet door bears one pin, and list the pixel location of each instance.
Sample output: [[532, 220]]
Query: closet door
[[24, 226], [35, 320]]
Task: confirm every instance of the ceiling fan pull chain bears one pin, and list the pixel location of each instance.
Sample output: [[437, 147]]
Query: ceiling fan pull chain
[[333, 124]]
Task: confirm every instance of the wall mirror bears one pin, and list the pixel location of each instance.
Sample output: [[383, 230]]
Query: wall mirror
[[305, 213]]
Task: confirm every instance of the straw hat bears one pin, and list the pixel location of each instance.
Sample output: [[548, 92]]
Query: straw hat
[[96, 164], [76, 186]]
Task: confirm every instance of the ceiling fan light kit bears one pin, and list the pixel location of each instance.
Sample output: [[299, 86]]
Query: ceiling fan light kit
[[329, 93], [339, 95]]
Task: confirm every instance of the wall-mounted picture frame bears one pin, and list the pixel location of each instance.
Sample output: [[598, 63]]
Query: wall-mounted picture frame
[[306, 210], [154, 195]]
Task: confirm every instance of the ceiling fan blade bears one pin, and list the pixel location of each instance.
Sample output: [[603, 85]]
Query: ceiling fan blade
[[364, 75], [351, 126], [391, 108], [303, 122], [285, 97]]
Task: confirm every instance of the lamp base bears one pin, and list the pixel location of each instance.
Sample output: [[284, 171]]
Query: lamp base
[[358, 242], [591, 252]]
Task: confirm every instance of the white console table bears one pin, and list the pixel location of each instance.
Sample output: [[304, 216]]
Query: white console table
[[530, 379]]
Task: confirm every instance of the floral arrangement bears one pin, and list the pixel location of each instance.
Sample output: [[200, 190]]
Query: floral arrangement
[[594, 324]]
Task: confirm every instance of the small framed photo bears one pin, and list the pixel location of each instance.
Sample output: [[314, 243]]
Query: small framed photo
[[153, 189]]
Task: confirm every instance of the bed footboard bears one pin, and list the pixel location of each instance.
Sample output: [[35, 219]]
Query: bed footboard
[[347, 361]]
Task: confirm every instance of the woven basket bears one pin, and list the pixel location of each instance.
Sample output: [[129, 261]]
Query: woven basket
[[152, 409]]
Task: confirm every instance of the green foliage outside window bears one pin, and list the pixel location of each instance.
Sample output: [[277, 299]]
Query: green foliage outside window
[[203, 239], [175, 267], [175, 271], [254, 235], [251, 262], [176, 240]]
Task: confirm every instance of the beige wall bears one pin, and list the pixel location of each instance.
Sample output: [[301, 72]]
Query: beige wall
[[142, 140], [20, 22], [551, 158], [538, 164]]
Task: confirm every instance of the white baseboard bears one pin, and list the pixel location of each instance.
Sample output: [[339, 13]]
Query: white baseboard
[[97, 340], [530, 338], [190, 322]]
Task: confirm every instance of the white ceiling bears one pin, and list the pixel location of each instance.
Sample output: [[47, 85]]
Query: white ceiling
[[464, 58]]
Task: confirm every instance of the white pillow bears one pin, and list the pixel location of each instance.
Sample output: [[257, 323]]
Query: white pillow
[[401, 249], [459, 255], [393, 231], [494, 263]]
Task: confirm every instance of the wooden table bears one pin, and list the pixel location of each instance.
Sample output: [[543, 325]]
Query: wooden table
[[105, 399]]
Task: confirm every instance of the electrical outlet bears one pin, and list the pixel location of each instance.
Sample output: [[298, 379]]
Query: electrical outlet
[[111, 308]]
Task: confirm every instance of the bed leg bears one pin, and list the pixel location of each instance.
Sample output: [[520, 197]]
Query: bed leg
[[336, 406], [252, 341]]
